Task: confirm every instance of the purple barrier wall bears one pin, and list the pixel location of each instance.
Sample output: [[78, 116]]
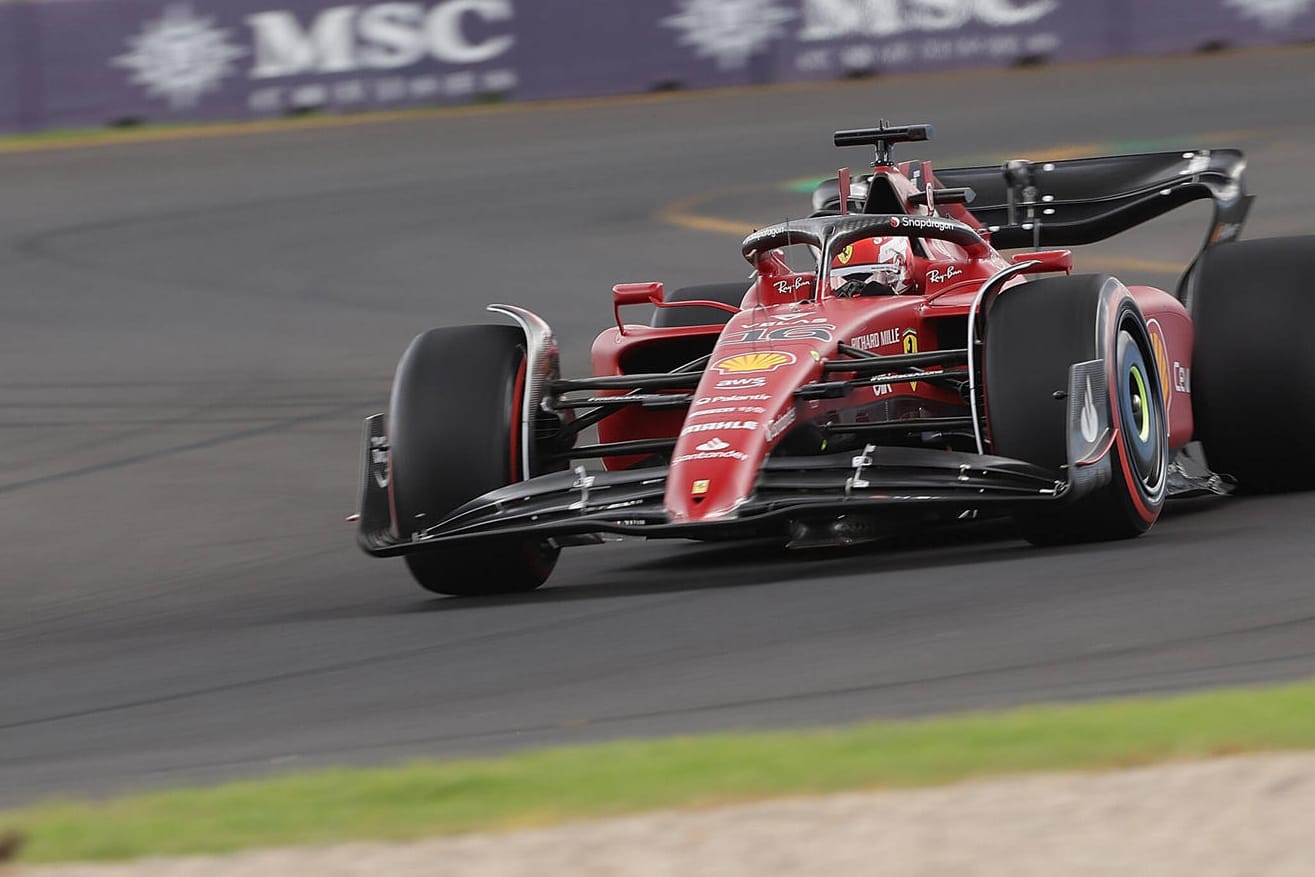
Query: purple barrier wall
[[1187, 25], [92, 62], [12, 64], [166, 60]]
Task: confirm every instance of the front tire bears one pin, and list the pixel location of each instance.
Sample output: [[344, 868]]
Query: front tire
[[1035, 332], [1253, 366], [454, 434]]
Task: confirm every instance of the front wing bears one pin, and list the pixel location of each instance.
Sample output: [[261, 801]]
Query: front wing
[[575, 503]]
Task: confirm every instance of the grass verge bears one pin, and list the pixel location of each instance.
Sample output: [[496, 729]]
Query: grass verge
[[542, 787]]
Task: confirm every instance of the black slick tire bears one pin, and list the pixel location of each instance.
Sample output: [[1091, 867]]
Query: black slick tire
[[726, 293], [454, 434], [1034, 333], [1253, 364]]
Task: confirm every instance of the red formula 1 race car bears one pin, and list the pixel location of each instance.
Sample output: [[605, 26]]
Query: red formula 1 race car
[[884, 367]]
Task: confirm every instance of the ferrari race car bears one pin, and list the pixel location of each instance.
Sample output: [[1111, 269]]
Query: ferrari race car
[[884, 367]]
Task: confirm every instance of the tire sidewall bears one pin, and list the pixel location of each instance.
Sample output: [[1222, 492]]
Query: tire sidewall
[[424, 446], [1036, 332], [1143, 500], [456, 433], [1253, 363]]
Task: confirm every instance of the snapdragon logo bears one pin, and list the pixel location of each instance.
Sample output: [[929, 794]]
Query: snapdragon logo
[[179, 57], [729, 31], [1272, 14]]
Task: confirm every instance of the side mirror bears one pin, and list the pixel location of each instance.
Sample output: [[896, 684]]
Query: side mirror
[[634, 294]]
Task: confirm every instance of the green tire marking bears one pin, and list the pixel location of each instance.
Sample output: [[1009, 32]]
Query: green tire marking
[[1144, 429]]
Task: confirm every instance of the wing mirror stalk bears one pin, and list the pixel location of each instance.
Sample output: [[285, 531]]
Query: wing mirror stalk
[[651, 293]]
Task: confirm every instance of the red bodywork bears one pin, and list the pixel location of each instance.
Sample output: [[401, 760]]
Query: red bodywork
[[745, 404]]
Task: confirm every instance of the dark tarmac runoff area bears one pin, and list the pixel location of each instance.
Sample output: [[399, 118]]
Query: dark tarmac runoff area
[[191, 331]]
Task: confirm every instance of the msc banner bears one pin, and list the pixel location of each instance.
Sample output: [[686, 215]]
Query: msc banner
[[164, 61], [94, 62]]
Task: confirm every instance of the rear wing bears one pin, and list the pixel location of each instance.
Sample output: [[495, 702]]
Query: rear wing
[[1083, 200]]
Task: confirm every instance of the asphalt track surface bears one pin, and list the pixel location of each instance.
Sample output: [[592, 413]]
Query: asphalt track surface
[[190, 332]]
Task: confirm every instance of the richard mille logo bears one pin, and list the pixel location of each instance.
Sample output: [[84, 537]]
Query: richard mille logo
[[180, 56], [729, 31]]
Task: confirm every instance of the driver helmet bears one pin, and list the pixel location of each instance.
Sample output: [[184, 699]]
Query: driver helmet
[[876, 260]]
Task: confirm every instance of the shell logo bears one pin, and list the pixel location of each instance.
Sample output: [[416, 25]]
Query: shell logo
[[769, 361]]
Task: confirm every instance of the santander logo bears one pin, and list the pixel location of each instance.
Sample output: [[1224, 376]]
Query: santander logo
[[1088, 421]]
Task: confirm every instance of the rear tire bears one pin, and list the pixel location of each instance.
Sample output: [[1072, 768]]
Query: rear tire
[[454, 434], [1253, 366], [727, 293], [1035, 332]]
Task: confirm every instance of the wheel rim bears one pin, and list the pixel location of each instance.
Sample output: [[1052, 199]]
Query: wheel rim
[[1142, 413]]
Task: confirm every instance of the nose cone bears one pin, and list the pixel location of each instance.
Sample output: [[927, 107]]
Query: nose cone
[[744, 403], [714, 467]]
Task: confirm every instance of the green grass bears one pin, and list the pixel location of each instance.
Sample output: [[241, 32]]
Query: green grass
[[537, 788]]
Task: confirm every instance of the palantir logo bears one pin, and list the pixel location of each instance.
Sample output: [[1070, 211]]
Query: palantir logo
[[180, 56], [729, 30], [1272, 14]]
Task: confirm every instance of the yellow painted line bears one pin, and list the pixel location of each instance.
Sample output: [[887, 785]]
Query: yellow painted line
[[682, 213], [57, 142], [266, 126], [1083, 150], [713, 224], [1062, 153]]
